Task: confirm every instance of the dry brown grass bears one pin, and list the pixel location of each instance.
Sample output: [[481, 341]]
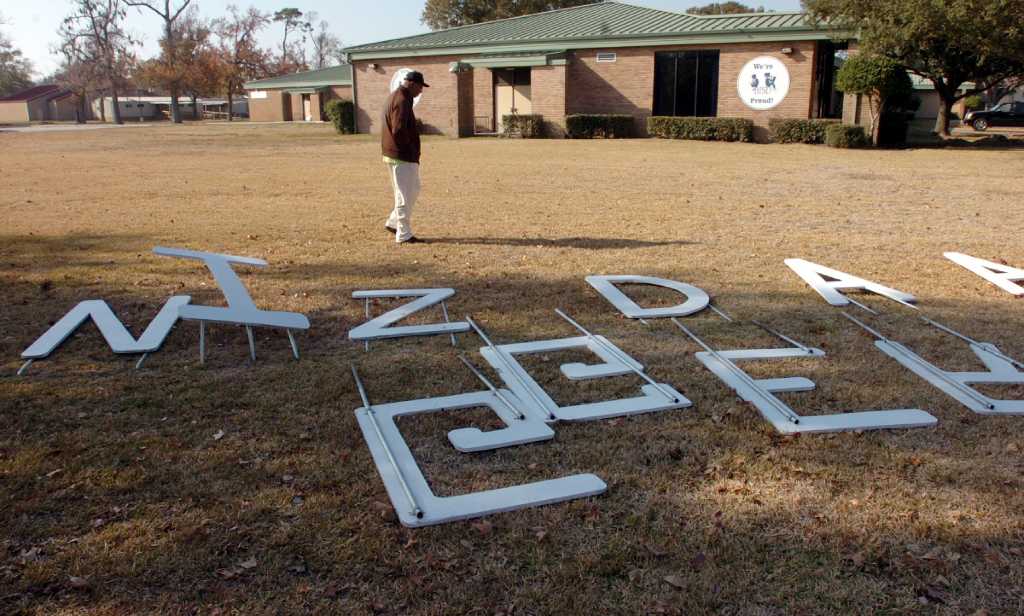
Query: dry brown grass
[[113, 476]]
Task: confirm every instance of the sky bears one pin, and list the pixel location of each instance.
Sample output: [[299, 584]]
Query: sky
[[32, 26]]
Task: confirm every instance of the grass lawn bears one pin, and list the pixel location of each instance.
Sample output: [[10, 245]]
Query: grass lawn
[[116, 497]]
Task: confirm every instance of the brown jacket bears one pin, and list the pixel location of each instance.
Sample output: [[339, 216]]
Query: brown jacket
[[399, 137]]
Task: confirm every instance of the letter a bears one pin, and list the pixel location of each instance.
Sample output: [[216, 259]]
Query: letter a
[[814, 275], [1003, 276]]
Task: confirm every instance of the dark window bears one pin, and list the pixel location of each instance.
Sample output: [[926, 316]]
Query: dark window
[[512, 76], [686, 83], [830, 56]]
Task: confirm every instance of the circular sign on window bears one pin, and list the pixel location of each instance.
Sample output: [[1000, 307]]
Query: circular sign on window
[[763, 83], [398, 78]]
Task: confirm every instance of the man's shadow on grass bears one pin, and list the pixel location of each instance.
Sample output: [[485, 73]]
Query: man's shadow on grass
[[589, 243]]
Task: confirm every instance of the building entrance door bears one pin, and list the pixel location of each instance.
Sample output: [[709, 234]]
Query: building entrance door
[[511, 94], [307, 108]]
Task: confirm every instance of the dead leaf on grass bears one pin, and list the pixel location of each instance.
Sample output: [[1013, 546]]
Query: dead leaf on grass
[[697, 562], [483, 527], [248, 564], [656, 551], [78, 582], [675, 580], [218, 435]]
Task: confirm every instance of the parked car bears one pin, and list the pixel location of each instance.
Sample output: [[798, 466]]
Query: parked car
[[1006, 114]]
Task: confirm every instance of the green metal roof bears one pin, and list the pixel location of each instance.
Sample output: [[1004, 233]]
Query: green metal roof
[[603, 24], [331, 76]]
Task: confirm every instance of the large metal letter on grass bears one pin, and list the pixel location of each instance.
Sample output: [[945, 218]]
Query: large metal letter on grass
[[414, 501], [655, 397], [240, 309], [1003, 276], [759, 392], [382, 326], [696, 299], [814, 275], [114, 332]]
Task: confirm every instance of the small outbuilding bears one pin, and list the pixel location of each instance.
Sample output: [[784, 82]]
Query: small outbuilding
[[299, 97], [609, 58], [40, 104]]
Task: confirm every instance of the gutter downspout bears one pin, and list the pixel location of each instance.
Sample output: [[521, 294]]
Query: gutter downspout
[[347, 58]]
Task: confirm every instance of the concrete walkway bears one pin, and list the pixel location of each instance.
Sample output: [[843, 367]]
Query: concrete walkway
[[53, 128]]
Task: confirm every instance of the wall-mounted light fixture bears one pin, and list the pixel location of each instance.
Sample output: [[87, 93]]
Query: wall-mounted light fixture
[[786, 50], [373, 66]]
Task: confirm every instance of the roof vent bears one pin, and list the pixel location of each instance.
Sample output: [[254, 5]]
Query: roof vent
[[607, 56]]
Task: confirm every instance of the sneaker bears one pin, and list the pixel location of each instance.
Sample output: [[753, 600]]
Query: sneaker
[[413, 240]]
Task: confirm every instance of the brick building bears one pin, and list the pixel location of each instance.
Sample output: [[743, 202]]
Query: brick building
[[608, 57], [299, 97]]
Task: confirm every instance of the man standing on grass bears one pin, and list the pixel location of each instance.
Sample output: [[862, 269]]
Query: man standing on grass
[[400, 144]]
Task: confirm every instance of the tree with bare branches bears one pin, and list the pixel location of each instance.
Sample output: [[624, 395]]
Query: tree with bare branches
[[293, 55], [171, 55], [241, 57], [15, 68], [94, 35], [326, 46], [80, 79]]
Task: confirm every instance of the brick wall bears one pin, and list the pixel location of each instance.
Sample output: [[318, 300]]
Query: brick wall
[[547, 94], [584, 86], [627, 85], [466, 103], [483, 97], [342, 92], [315, 109], [438, 109], [624, 86], [268, 109]]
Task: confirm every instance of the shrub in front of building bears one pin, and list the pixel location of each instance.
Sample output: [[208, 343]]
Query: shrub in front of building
[[702, 129], [342, 114], [973, 102], [527, 126], [799, 131], [846, 136], [599, 125]]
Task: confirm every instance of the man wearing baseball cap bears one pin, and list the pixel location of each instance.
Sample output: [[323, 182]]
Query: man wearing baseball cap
[[400, 145]]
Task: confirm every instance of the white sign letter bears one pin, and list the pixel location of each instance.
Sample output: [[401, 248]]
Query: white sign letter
[[241, 310], [380, 327], [114, 332], [696, 299], [759, 392], [1003, 276], [814, 275]]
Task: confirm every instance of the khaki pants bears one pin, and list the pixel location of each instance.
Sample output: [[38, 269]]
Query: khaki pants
[[405, 179]]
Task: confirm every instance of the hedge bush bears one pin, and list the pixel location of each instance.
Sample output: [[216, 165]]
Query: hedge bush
[[799, 131], [846, 136], [704, 129], [342, 114], [973, 102], [591, 125], [527, 126]]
